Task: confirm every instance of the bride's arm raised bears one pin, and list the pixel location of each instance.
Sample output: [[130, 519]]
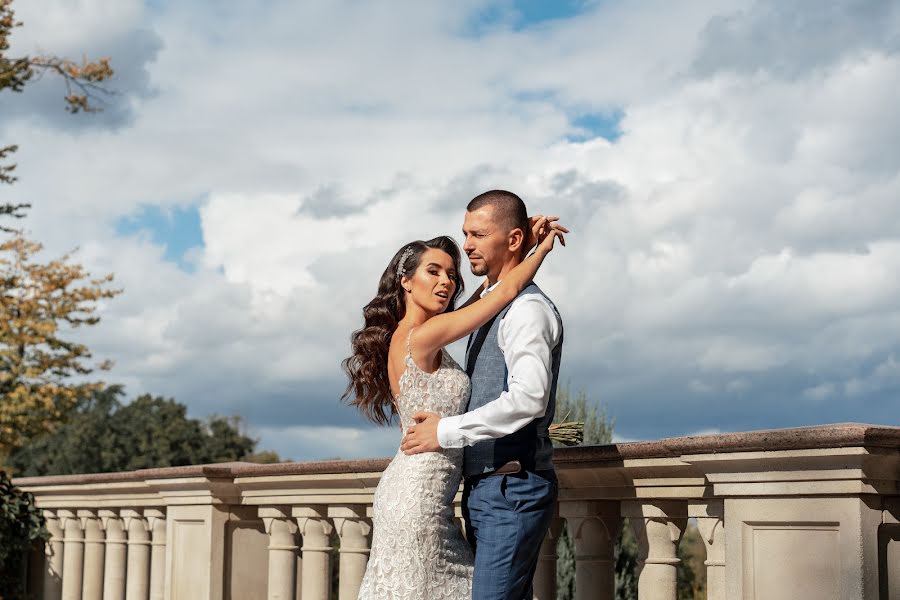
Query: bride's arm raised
[[446, 328]]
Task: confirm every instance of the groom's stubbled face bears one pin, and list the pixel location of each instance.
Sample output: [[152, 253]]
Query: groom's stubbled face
[[487, 242]]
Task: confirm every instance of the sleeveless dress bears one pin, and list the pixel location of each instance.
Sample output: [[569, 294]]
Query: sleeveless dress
[[418, 551]]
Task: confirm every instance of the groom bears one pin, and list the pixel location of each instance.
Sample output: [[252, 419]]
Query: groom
[[513, 361]]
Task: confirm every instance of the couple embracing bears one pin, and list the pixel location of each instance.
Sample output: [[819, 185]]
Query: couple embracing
[[485, 425]]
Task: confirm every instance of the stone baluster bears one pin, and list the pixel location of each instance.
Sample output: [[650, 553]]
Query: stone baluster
[[116, 554], [457, 517], [282, 532], [73, 554], [137, 579], [94, 555], [354, 530], [545, 574], [53, 551], [316, 530], [594, 527], [658, 526], [711, 523], [156, 523]]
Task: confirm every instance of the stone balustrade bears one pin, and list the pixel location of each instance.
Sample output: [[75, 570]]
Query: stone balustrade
[[793, 514]]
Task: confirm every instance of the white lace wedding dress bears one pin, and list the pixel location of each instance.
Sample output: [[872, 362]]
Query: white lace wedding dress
[[418, 551]]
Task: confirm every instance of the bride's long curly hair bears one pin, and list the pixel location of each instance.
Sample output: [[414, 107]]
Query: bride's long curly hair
[[369, 387]]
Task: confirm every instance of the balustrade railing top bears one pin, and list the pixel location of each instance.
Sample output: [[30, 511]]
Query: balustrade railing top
[[809, 512]]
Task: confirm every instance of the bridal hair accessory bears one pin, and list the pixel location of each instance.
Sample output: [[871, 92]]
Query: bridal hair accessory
[[403, 258]]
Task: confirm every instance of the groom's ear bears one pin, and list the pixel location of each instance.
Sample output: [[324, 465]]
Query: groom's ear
[[516, 239]]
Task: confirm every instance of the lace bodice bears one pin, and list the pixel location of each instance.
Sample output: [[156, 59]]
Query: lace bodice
[[418, 551], [444, 392]]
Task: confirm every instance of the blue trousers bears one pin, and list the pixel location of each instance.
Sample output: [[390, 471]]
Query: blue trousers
[[507, 517]]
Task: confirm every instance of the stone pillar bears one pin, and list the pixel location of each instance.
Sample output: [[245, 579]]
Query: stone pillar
[[73, 554], [114, 563], [156, 523], [94, 555], [137, 580], [658, 526], [53, 565], [354, 530], [545, 574], [282, 551], [316, 530], [594, 527], [711, 523]]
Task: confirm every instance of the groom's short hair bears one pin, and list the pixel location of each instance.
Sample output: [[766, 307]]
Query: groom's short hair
[[509, 210]]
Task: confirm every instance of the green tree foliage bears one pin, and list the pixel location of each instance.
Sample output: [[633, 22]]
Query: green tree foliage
[[21, 527], [104, 435]]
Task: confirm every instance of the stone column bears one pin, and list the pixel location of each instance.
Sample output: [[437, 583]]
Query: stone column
[[354, 530], [53, 565], [594, 527], [711, 523], [282, 551], [73, 554], [316, 530], [156, 523], [545, 574], [137, 580], [658, 526], [114, 567], [94, 555]]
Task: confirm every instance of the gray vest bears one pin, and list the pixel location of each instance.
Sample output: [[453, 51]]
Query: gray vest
[[486, 367]]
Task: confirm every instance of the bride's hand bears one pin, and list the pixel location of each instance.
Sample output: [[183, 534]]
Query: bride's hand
[[546, 244], [538, 226]]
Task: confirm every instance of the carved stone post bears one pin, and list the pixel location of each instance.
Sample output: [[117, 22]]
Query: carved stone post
[[137, 580], [282, 551], [73, 554], [53, 565], [594, 527], [658, 526], [94, 553], [354, 530], [156, 522], [545, 574], [316, 530], [114, 568], [711, 523]]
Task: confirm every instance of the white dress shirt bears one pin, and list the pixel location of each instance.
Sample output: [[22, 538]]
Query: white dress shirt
[[526, 336]]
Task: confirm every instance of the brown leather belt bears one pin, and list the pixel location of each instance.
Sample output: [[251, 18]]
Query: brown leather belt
[[512, 466]]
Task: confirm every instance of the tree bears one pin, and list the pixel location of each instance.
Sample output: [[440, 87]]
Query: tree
[[43, 375], [83, 83], [105, 435]]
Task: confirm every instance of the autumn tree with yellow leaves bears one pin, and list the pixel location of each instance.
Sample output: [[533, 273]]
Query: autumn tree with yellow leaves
[[43, 373]]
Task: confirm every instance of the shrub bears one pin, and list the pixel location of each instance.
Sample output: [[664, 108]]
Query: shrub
[[21, 527]]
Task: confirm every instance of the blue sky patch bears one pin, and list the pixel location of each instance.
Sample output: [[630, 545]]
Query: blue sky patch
[[594, 125], [177, 228], [522, 14]]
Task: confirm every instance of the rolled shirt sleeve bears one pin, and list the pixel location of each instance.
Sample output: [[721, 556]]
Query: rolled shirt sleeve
[[526, 336]]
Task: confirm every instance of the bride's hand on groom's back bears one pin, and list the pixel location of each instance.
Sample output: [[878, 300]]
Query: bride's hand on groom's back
[[421, 437]]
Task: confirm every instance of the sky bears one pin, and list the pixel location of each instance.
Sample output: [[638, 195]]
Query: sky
[[730, 171]]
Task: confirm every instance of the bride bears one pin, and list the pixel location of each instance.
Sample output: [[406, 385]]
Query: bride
[[399, 367]]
